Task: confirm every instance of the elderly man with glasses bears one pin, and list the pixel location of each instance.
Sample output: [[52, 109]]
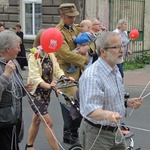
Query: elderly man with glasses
[[97, 29], [102, 103]]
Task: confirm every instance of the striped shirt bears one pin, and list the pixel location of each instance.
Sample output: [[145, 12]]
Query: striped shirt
[[101, 86]]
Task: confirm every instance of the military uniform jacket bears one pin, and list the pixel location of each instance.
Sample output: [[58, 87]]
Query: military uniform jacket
[[64, 55]]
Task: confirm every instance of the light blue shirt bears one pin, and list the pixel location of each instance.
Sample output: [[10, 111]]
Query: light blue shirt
[[125, 40], [85, 38], [100, 86]]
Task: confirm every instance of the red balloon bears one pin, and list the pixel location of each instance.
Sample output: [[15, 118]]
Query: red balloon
[[51, 40], [134, 34]]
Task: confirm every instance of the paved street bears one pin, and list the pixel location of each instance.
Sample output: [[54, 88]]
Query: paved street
[[135, 81]]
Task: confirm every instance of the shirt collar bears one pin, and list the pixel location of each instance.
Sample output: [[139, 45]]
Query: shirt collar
[[69, 28], [106, 68], [3, 60]]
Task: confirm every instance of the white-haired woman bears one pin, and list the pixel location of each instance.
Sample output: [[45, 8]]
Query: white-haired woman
[[121, 29], [11, 90]]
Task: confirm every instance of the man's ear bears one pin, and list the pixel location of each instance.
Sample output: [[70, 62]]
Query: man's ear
[[62, 15], [102, 50]]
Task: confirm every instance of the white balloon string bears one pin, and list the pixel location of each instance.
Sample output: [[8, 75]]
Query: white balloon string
[[100, 129], [39, 112], [145, 95], [131, 111], [36, 107], [132, 127], [43, 58], [145, 89], [118, 132], [16, 89], [141, 96]]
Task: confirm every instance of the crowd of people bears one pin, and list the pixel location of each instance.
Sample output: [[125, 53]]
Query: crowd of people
[[101, 106]]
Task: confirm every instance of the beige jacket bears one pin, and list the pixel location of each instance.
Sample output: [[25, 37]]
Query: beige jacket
[[35, 70]]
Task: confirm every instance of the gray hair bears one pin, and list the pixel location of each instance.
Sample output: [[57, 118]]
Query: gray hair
[[94, 19], [104, 40], [8, 40], [121, 22]]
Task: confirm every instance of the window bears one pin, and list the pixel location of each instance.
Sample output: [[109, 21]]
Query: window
[[32, 17]]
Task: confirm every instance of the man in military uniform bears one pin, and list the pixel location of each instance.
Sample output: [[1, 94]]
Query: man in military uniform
[[64, 55]]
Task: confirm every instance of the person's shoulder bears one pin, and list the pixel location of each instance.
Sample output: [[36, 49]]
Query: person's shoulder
[[51, 55], [88, 33], [116, 30], [91, 36], [59, 26], [77, 26], [126, 32]]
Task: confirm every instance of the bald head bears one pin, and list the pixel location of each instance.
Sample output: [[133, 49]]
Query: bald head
[[85, 26], [86, 22]]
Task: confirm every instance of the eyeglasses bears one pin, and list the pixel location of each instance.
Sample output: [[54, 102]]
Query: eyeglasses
[[116, 47]]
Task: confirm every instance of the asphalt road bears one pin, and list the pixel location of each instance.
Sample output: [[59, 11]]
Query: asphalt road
[[55, 112], [139, 121]]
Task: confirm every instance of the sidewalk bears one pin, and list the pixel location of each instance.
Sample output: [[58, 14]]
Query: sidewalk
[[138, 77], [25, 73]]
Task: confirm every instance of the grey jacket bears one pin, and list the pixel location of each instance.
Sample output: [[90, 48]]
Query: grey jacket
[[11, 91]]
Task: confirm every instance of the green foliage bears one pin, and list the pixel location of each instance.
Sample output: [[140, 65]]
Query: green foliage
[[137, 62], [146, 57]]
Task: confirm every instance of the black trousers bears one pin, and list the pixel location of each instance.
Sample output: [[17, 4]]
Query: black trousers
[[8, 139]]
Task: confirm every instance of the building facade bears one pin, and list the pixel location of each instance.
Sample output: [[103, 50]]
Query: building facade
[[36, 14]]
